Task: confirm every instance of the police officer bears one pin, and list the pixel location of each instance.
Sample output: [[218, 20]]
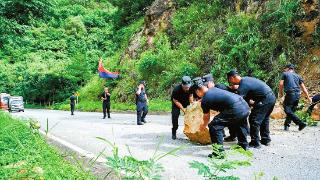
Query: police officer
[[264, 100], [72, 103], [141, 103], [208, 81], [105, 98], [291, 83], [181, 98], [315, 101], [233, 112]]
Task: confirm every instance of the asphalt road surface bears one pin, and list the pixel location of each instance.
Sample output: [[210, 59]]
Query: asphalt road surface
[[292, 155]]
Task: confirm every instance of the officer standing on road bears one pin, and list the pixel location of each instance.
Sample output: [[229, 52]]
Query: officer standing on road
[[181, 98], [72, 102], [141, 103], [233, 112], [291, 83], [264, 100], [105, 98]]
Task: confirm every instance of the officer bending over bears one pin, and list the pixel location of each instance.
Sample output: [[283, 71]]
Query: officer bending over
[[233, 112], [181, 98], [264, 100], [291, 83]]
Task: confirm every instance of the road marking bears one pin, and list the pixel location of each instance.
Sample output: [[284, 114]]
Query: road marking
[[73, 147]]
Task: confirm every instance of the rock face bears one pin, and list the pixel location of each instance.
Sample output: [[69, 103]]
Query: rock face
[[192, 122], [157, 19]]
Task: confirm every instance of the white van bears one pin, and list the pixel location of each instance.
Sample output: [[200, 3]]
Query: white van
[[16, 104]]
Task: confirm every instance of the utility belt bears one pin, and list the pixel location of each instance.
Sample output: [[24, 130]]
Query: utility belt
[[292, 91]]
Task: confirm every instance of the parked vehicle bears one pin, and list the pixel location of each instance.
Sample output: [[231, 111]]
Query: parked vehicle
[[16, 103], [4, 101]]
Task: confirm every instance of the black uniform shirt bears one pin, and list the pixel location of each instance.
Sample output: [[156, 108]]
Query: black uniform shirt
[[180, 95], [105, 95], [226, 88], [219, 100], [252, 88], [141, 97], [292, 82], [72, 99]]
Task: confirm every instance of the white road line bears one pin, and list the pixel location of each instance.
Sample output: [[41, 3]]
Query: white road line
[[73, 147]]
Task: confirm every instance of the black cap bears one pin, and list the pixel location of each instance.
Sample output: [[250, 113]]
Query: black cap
[[207, 78], [289, 66], [186, 81], [232, 73], [142, 82], [197, 83]]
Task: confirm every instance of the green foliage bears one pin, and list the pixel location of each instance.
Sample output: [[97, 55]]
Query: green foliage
[[129, 167], [20, 157], [130, 10], [223, 162], [304, 116]]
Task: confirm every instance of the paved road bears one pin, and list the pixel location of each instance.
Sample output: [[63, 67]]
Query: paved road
[[292, 155]]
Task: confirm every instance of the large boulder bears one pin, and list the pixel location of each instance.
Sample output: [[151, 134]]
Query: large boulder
[[193, 118], [315, 115], [278, 112]]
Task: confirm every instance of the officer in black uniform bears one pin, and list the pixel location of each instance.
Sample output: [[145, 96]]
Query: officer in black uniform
[[209, 82], [72, 103], [233, 112], [141, 103], [105, 98], [181, 98], [315, 101], [264, 100], [291, 83]]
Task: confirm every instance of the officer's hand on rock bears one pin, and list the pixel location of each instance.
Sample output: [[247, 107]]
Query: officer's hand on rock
[[184, 110]]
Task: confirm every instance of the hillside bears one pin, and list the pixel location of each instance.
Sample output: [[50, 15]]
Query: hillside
[[57, 49]]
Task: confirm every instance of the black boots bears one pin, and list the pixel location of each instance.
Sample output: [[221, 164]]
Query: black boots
[[302, 126], [174, 134]]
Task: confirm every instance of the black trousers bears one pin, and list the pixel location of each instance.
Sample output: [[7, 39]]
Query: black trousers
[[142, 111], [290, 105], [106, 109], [175, 113], [72, 108], [237, 120], [259, 119]]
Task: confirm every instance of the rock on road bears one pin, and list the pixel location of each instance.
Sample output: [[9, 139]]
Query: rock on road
[[292, 155]]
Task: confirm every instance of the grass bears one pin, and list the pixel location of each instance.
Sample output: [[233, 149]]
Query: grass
[[26, 155], [155, 105]]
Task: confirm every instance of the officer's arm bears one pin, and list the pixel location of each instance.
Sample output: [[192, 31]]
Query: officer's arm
[[138, 91], [191, 98], [178, 104], [281, 88], [305, 91], [145, 95]]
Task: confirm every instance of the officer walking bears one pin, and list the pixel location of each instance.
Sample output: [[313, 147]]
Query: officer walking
[[233, 112], [141, 103], [264, 100], [181, 98], [72, 103], [105, 98], [291, 83]]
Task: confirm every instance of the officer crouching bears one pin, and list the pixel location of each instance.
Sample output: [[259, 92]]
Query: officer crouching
[[233, 112]]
